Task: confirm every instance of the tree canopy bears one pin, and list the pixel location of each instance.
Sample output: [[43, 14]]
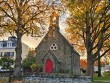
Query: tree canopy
[[90, 21], [28, 15], [21, 17]]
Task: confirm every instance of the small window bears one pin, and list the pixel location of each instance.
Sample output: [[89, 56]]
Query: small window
[[1, 45], [13, 44], [10, 44], [53, 47], [53, 44], [1, 54], [6, 54], [5, 45], [10, 54]]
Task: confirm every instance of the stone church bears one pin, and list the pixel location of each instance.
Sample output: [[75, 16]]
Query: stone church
[[54, 53]]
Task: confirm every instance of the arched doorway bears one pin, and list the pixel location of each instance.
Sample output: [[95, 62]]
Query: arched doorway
[[48, 66]]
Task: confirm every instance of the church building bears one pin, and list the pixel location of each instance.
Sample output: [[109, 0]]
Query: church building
[[54, 53]]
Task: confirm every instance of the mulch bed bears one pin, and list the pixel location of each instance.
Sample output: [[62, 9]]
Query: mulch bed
[[16, 81]]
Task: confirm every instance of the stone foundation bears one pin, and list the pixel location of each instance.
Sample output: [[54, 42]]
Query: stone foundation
[[46, 79]]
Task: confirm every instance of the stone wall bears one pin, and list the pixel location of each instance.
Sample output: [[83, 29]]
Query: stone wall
[[39, 79]]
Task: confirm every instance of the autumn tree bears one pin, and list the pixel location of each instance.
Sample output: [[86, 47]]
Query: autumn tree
[[83, 63], [104, 47], [90, 20], [21, 17], [102, 63], [107, 58]]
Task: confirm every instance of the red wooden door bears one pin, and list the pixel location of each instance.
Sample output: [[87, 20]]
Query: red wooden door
[[48, 66]]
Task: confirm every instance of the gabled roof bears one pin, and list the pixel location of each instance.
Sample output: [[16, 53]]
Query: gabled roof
[[52, 54], [70, 44]]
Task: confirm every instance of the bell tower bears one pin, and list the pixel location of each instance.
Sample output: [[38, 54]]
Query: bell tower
[[54, 24], [54, 19]]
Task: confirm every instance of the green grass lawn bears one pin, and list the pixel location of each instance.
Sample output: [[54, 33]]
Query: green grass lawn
[[100, 82], [105, 78]]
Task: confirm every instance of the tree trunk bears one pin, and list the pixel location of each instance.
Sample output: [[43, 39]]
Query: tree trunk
[[90, 67], [99, 66], [17, 70]]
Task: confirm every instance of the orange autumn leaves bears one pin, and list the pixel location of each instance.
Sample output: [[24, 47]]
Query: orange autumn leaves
[[83, 63]]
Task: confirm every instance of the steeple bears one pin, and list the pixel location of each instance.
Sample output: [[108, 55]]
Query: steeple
[[54, 24], [54, 19]]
